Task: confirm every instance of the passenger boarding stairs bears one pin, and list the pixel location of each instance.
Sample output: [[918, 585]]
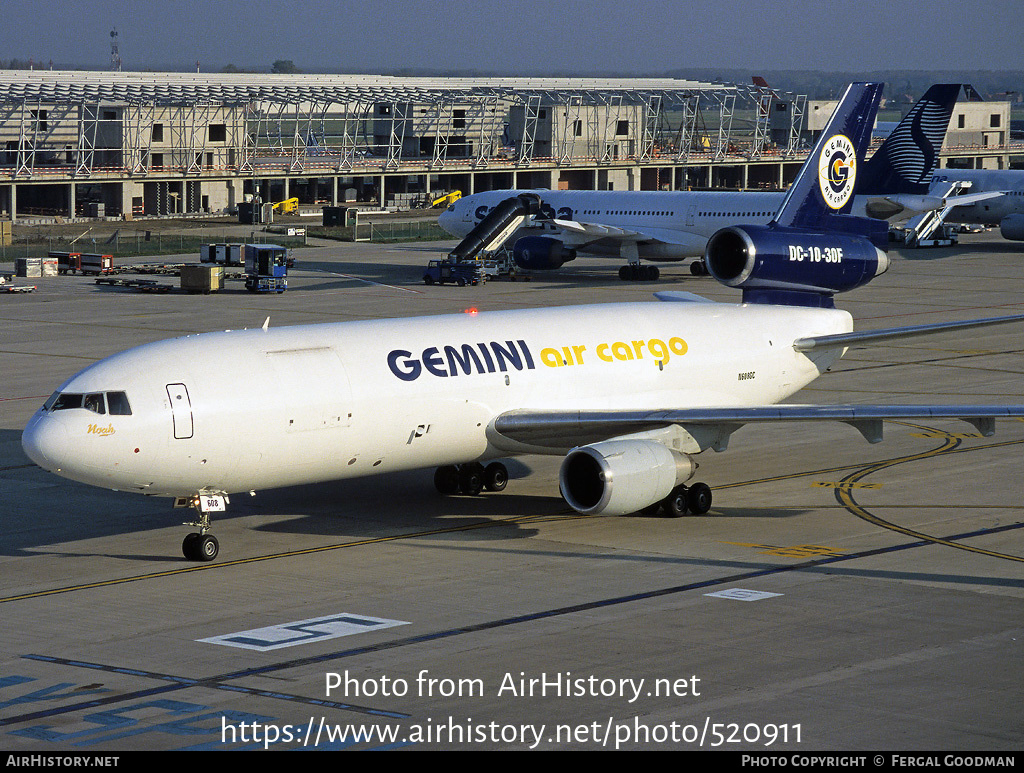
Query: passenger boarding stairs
[[499, 224], [926, 230]]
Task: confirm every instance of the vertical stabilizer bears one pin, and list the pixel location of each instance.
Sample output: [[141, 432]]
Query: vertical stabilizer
[[824, 187], [908, 157]]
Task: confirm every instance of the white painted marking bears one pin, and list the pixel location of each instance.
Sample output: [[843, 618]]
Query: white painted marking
[[371, 282], [742, 594], [275, 637]]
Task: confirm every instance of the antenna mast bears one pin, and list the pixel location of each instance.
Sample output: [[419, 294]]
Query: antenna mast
[[115, 56]]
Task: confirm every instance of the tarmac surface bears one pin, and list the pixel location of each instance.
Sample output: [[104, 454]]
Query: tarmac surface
[[839, 596]]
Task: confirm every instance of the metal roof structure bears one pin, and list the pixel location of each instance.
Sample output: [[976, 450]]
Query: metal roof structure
[[48, 86], [104, 125]]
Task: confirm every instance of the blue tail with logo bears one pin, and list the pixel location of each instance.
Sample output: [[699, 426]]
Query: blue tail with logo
[[825, 185], [813, 248]]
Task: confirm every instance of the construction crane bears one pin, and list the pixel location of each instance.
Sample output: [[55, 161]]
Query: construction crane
[[287, 206]]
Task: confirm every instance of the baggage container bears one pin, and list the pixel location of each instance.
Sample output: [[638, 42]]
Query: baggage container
[[28, 267], [202, 278], [94, 263]]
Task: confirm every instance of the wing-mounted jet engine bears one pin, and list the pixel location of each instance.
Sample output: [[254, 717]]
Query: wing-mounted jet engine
[[541, 253]]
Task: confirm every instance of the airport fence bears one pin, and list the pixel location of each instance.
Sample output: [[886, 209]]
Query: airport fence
[[400, 231], [384, 232], [137, 245]]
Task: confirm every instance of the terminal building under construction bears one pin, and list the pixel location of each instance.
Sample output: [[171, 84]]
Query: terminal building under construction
[[118, 144]]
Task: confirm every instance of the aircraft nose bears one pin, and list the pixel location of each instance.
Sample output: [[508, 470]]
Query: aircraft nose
[[45, 442]]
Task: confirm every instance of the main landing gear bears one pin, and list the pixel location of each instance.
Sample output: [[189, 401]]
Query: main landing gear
[[692, 500], [471, 478], [201, 546], [635, 272]]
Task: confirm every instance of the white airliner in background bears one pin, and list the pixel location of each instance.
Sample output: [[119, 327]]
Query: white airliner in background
[[676, 225], [1005, 209], [629, 393]]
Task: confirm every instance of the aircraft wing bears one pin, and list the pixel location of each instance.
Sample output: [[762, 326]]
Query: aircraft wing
[[711, 427], [887, 207], [563, 429], [967, 199], [872, 336], [590, 232], [574, 231]]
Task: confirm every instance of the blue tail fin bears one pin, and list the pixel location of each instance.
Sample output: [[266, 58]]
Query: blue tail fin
[[824, 186], [813, 248], [905, 161]]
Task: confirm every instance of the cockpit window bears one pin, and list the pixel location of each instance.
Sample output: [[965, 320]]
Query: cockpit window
[[117, 402], [97, 402], [67, 400], [451, 208]]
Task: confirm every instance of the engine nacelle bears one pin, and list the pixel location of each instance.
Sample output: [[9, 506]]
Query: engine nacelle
[[618, 477], [1012, 227], [541, 253], [755, 257]]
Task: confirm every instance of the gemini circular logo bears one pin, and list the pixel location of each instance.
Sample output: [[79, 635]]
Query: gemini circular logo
[[837, 171]]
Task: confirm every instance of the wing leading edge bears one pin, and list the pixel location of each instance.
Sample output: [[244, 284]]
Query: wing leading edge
[[562, 429]]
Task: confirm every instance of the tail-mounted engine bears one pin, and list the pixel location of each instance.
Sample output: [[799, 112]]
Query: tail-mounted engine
[[541, 253], [789, 265]]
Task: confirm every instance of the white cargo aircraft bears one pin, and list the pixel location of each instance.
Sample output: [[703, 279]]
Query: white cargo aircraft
[[630, 393], [675, 225]]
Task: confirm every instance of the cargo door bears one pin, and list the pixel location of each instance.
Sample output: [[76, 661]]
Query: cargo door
[[313, 387], [181, 411]]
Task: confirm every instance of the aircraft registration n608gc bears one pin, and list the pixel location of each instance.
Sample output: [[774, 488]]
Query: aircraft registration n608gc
[[629, 393]]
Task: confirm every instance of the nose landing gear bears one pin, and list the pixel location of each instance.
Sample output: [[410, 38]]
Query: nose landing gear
[[201, 546]]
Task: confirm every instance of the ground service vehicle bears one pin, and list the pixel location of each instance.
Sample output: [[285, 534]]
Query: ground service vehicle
[[443, 271], [266, 268]]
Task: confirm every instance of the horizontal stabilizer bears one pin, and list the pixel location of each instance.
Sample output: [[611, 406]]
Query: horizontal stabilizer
[[871, 336], [678, 296]]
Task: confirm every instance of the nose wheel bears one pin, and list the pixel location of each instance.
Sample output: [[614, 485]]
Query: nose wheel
[[201, 545]]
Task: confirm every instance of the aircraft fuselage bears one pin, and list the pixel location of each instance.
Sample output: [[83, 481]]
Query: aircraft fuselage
[[675, 224], [254, 409]]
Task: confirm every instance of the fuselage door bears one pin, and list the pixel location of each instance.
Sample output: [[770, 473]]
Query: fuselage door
[[181, 411], [691, 211]]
